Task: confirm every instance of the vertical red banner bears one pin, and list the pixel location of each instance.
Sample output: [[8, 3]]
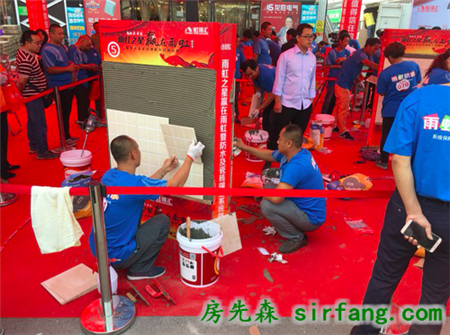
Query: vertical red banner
[[38, 14], [351, 12], [225, 67]]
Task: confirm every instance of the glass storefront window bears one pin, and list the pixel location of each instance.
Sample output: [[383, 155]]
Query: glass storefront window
[[231, 12], [152, 10], [255, 14], [204, 11], [127, 10], [8, 12], [178, 11]]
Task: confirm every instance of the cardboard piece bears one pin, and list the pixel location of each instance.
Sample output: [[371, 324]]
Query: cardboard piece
[[71, 284], [231, 239]]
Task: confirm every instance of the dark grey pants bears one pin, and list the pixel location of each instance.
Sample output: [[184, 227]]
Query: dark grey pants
[[150, 238], [288, 220]]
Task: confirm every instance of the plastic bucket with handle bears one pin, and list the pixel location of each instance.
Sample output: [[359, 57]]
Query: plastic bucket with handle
[[73, 162], [200, 256], [327, 124], [256, 138]]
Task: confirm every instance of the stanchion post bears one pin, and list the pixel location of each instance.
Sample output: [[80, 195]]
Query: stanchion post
[[101, 316], [59, 116]]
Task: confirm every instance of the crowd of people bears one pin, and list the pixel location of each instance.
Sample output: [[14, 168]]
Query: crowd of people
[[44, 62]]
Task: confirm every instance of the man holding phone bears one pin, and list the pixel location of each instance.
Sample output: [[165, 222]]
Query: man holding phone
[[420, 144]]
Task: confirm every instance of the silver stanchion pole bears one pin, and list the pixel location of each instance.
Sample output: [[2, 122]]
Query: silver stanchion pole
[[59, 115], [109, 314]]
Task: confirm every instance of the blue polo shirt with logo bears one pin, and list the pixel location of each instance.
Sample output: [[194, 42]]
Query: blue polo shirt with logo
[[56, 55]]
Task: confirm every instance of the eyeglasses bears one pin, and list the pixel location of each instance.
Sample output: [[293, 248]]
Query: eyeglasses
[[308, 37]]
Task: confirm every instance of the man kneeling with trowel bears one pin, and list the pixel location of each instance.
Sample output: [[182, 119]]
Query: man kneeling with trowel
[[133, 246], [292, 217]]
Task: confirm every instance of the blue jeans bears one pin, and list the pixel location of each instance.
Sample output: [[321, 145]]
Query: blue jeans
[[37, 126]]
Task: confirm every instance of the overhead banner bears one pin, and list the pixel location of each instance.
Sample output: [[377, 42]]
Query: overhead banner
[[188, 45], [38, 14], [430, 14], [282, 16], [309, 15], [96, 10], [75, 23], [351, 11]]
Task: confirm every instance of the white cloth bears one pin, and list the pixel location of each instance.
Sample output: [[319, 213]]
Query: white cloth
[[54, 224], [256, 101]]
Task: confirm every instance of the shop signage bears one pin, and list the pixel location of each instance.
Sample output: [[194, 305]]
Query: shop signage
[[351, 11], [188, 45], [309, 15], [431, 13], [95, 10], [38, 14], [75, 23], [282, 16]]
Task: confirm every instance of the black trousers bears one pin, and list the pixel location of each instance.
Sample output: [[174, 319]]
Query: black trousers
[[385, 129], [83, 102], [237, 89], [269, 124], [393, 257], [295, 116], [66, 106], [4, 144], [150, 238]]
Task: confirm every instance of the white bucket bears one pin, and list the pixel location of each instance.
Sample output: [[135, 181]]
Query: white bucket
[[327, 124], [73, 162], [256, 138], [200, 258]]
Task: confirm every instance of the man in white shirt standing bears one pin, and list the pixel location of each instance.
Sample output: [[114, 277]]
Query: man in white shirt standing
[[295, 81]]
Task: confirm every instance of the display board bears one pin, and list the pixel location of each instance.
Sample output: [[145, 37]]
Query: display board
[[421, 47], [173, 73], [430, 13], [282, 16]]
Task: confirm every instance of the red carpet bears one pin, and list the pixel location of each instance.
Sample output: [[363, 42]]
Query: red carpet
[[336, 264]]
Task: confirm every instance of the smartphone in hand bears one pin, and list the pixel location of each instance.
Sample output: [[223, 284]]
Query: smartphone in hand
[[417, 232]]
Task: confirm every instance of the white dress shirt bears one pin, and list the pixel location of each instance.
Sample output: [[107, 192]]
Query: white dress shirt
[[295, 79]]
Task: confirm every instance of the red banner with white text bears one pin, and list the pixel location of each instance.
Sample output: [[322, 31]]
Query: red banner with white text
[[38, 14], [351, 11]]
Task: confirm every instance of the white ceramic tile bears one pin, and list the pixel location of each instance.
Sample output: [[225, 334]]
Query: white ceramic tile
[[178, 140]]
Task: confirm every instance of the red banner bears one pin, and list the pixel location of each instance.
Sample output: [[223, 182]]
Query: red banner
[[282, 16], [188, 45], [351, 11], [38, 14], [96, 10]]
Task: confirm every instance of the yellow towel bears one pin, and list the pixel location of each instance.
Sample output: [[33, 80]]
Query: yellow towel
[[54, 224]]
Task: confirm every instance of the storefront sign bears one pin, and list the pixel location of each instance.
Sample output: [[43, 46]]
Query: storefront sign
[[351, 11], [38, 14], [335, 15], [282, 16], [189, 45], [431, 13], [309, 15], [95, 10], [75, 23]]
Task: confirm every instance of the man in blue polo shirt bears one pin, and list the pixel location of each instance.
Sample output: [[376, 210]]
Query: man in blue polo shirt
[[420, 144], [349, 72], [133, 246], [78, 56], [94, 58], [333, 62], [240, 58], [263, 77], [395, 83], [59, 71], [292, 217], [439, 71], [261, 53]]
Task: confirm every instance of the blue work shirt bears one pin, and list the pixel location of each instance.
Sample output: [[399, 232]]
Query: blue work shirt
[[266, 78], [314, 47], [421, 130], [240, 58], [55, 55], [78, 57], [351, 69], [438, 76], [275, 51], [354, 44], [123, 213], [261, 48], [93, 57], [248, 43], [396, 82], [302, 173], [331, 60]]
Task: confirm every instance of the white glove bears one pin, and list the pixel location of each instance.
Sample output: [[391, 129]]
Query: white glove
[[195, 150], [254, 114]]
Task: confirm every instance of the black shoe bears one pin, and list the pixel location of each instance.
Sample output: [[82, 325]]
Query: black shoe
[[237, 121], [47, 155], [336, 129], [346, 135], [155, 272], [8, 175], [267, 165], [292, 245], [381, 165], [13, 167]]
